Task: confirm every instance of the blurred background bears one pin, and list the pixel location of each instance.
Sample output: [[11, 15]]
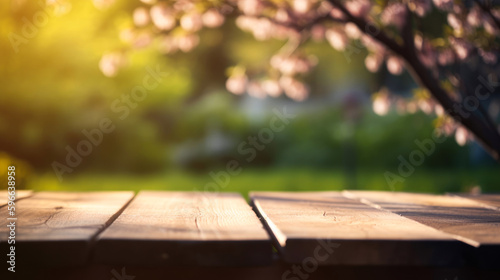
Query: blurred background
[[188, 132]]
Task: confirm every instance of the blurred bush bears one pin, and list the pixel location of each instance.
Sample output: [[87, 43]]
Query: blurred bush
[[22, 171], [52, 90]]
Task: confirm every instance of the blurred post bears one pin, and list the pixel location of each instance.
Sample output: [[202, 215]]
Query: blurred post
[[352, 113]]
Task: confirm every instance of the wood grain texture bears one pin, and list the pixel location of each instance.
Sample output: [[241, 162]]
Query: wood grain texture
[[57, 227], [463, 218], [489, 200], [349, 232], [20, 194], [164, 228]]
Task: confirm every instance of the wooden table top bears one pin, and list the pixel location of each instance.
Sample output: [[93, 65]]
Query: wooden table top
[[160, 228]]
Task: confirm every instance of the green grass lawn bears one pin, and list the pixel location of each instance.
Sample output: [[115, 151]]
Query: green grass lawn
[[431, 181]]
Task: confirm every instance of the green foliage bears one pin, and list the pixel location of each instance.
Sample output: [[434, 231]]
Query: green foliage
[[52, 88], [423, 180]]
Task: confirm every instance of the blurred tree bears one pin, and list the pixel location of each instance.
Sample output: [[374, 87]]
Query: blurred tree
[[450, 48], [52, 89]]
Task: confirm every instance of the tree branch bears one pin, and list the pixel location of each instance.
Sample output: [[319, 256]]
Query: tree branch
[[490, 139], [407, 33], [363, 25]]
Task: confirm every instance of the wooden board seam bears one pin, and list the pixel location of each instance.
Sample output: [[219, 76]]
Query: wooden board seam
[[271, 228], [365, 201], [17, 199], [93, 239], [480, 203]]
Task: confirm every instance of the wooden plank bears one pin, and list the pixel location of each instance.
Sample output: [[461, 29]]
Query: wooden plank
[[348, 232], [20, 194], [56, 228], [164, 228], [489, 200], [465, 219]]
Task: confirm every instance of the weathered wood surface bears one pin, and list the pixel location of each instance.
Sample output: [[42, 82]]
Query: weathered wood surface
[[347, 228], [465, 219], [20, 194], [333, 229], [56, 228], [489, 200], [163, 228]]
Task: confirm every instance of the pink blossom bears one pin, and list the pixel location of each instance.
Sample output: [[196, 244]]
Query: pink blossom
[[401, 106], [358, 8], [318, 32], [371, 44], [262, 28], [454, 21], [191, 22], [142, 40], [293, 88], [324, 8], [291, 65], [250, 7], [100, 4], [110, 63], [381, 103], [425, 106], [461, 135], [394, 14], [411, 107], [127, 35], [245, 22], [271, 87], [254, 89], [446, 57], [337, 39], [301, 6], [167, 44], [283, 32], [140, 16], [490, 26], [162, 16], [420, 7], [276, 60], [488, 56], [337, 14], [462, 48], [188, 42], [474, 17], [438, 109], [445, 5], [352, 31], [427, 54], [496, 13], [373, 62], [282, 16], [184, 5], [447, 126], [212, 18], [237, 84], [395, 65], [149, 2]]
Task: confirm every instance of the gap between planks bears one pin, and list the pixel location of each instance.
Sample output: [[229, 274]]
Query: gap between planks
[[364, 235], [20, 194], [55, 228], [93, 239], [171, 228], [467, 220]]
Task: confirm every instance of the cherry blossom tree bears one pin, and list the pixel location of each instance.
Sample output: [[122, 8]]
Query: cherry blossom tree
[[455, 61]]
